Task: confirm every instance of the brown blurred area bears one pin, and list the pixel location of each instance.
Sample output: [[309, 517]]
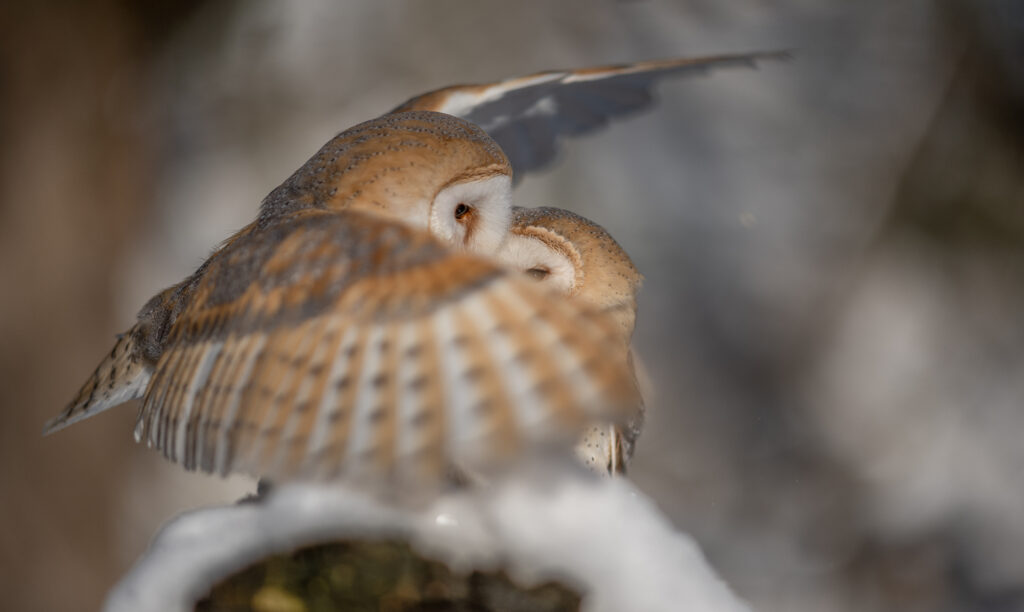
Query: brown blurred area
[[76, 172], [833, 251]]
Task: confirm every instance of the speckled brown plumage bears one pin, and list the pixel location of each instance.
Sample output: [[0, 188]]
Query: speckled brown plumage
[[405, 157]]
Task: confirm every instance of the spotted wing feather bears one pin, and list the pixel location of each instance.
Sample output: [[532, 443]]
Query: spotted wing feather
[[338, 345], [121, 376], [528, 115]]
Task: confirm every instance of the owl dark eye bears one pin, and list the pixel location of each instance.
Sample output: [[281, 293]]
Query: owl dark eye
[[462, 210], [538, 273]]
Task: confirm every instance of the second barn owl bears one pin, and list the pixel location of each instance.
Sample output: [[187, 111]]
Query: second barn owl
[[579, 259]]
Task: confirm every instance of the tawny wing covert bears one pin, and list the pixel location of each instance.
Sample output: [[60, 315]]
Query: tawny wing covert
[[335, 344], [527, 115]]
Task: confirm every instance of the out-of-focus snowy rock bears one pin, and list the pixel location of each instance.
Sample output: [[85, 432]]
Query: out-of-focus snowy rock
[[602, 536]]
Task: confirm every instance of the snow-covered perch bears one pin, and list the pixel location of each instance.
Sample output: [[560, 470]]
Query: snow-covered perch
[[602, 536]]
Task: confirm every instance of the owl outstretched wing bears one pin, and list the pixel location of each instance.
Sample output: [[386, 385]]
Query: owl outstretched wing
[[332, 344], [527, 115]]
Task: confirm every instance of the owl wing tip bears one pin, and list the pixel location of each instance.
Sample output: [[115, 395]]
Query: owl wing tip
[[67, 418], [120, 377], [56, 424]]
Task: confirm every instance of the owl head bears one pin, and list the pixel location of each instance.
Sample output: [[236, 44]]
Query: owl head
[[575, 257], [425, 169]]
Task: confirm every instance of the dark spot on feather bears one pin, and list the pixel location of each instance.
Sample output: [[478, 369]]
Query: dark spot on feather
[[316, 369], [422, 417], [380, 380], [460, 341], [378, 413], [92, 388], [302, 407], [417, 383], [413, 351], [343, 382], [473, 374], [335, 416]]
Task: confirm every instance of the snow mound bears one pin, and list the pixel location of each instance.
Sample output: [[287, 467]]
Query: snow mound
[[598, 534]]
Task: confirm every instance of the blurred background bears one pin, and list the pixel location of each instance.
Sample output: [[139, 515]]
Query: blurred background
[[833, 250]]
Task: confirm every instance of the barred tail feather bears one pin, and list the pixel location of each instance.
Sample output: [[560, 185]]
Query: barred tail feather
[[121, 376]]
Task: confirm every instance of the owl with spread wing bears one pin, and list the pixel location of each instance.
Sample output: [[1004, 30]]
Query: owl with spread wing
[[361, 327]]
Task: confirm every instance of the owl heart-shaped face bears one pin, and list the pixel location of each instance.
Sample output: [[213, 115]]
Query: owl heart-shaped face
[[573, 256], [474, 213]]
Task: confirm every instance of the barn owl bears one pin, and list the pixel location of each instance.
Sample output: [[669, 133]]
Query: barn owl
[[578, 258], [349, 331]]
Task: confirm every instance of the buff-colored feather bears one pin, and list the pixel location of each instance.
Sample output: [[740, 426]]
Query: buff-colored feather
[[320, 363]]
